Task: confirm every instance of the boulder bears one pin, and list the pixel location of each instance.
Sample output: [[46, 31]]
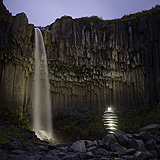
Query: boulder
[[79, 146], [8, 146], [158, 150], [101, 151], [49, 157], [29, 134], [92, 148], [107, 141], [41, 142], [138, 145], [90, 143], [142, 155], [33, 157], [127, 157], [145, 136], [151, 128], [115, 155], [123, 140], [130, 151], [154, 153], [95, 143], [129, 136], [158, 140], [14, 145], [17, 157], [18, 152], [52, 146], [88, 155], [41, 148], [116, 147], [3, 155], [151, 145], [73, 156]]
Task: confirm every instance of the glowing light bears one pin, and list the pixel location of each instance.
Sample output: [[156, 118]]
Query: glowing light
[[111, 128], [110, 119], [111, 132], [110, 109], [111, 124]]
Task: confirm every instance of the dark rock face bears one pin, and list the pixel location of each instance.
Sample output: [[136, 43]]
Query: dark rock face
[[92, 63], [95, 63], [16, 52]]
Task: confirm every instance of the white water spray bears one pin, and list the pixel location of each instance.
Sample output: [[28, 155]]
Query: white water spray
[[42, 115]]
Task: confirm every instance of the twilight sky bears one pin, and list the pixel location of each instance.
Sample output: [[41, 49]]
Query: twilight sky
[[45, 12]]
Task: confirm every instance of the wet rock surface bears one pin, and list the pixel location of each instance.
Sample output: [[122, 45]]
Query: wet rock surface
[[136, 148]]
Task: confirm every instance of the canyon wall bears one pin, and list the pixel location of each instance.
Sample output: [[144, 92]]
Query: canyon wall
[[16, 61], [95, 63], [92, 63]]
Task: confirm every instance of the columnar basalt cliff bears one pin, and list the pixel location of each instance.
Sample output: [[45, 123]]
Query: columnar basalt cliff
[[95, 63], [92, 63], [16, 64]]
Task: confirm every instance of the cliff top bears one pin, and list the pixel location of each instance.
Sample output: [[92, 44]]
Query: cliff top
[[134, 16]]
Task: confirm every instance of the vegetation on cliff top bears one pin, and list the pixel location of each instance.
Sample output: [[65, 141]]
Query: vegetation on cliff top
[[155, 10]]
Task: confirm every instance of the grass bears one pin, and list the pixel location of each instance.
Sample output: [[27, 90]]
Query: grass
[[84, 128], [9, 133], [136, 119], [155, 10], [17, 119], [14, 126], [93, 128]]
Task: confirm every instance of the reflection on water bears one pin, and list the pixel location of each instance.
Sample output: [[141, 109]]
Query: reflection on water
[[110, 120]]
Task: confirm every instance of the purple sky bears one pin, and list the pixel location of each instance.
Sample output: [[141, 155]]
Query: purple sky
[[44, 12]]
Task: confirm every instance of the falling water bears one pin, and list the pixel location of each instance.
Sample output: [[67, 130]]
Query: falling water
[[110, 120], [42, 117]]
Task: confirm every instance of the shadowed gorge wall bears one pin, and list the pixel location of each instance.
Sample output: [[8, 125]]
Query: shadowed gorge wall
[[92, 63], [16, 54]]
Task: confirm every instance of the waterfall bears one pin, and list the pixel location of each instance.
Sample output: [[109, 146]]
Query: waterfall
[[42, 114]]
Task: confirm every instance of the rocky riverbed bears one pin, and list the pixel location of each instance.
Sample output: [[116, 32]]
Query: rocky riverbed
[[144, 145]]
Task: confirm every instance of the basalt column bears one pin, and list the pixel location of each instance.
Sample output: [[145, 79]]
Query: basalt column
[[16, 62], [95, 63]]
